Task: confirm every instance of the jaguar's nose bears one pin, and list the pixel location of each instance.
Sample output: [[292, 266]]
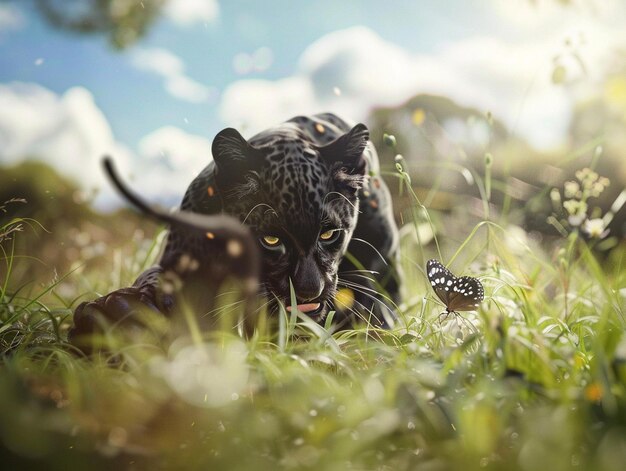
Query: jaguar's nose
[[308, 282]]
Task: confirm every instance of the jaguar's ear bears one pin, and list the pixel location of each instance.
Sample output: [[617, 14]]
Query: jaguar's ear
[[347, 150], [235, 162]]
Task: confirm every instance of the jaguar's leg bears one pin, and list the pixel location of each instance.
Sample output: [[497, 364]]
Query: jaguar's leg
[[130, 307]]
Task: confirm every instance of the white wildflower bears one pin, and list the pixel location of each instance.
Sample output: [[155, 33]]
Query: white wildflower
[[595, 228]]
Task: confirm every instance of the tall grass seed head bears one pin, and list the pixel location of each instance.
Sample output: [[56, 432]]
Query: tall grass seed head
[[598, 187], [398, 160], [571, 189], [592, 183], [389, 140], [576, 210], [488, 159], [555, 197]]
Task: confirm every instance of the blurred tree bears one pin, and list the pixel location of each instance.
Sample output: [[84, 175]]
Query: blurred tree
[[62, 231], [123, 21], [438, 137], [444, 144]]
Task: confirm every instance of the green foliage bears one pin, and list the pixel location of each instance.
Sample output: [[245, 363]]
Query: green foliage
[[535, 379], [65, 235], [123, 21]]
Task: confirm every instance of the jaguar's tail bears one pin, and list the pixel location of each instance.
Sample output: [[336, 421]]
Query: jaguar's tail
[[219, 225]]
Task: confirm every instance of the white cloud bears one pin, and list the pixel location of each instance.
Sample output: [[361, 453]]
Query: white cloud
[[177, 148], [186, 89], [512, 79], [258, 61], [158, 61], [11, 19], [168, 159], [252, 105], [169, 66], [529, 15], [70, 133], [189, 12]]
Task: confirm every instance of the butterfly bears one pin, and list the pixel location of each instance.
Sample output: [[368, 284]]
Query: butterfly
[[457, 294]]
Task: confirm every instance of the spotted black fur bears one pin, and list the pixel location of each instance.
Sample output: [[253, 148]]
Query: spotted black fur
[[295, 181]]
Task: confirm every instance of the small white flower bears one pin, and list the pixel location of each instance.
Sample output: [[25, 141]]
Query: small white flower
[[595, 228], [576, 219]]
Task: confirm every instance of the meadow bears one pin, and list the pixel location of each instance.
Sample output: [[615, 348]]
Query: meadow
[[534, 379]]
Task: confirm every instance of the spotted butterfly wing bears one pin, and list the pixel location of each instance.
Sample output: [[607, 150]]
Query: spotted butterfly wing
[[458, 294]]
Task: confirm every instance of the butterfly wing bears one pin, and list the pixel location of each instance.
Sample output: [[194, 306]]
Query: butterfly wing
[[441, 279], [467, 294], [458, 294]]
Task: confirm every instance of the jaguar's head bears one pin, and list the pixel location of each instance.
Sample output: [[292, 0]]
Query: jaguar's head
[[300, 201]]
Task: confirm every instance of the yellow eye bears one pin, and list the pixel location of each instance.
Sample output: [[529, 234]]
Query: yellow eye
[[327, 235], [271, 240]]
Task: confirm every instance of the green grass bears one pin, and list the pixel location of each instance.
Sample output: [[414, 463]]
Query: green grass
[[535, 379]]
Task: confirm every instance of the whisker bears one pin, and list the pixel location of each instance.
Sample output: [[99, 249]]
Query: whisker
[[262, 306], [230, 307], [343, 196], [353, 313], [226, 293], [360, 314], [326, 207], [355, 285], [380, 291], [350, 272], [373, 280], [373, 248], [363, 290], [255, 207]]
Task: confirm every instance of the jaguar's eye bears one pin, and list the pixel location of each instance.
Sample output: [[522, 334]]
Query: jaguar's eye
[[270, 242], [330, 236]]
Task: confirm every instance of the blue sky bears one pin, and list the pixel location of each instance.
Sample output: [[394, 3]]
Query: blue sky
[[159, 103], [136, 103]]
